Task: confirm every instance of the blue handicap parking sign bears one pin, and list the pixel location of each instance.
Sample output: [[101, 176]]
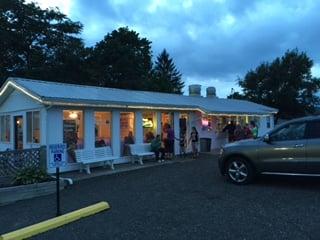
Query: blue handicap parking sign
[[57, 155]]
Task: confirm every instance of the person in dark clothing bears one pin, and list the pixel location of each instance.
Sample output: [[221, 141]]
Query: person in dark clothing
[[230, 130], [170, 142], [247, 131], [157, 148], [239, 133], [129, 139]]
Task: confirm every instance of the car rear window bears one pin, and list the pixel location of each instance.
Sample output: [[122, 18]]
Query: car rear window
[[313, 129]]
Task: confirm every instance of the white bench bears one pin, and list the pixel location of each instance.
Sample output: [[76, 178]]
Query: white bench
[[140, 150], [90, 156]]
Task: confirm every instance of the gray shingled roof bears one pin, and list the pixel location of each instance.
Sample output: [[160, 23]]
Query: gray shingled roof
[[52, 93]]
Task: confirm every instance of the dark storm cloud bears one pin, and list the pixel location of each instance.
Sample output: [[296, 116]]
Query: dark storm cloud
[[209, 39]]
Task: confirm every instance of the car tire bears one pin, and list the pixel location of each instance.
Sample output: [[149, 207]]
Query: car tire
[[239, 170]]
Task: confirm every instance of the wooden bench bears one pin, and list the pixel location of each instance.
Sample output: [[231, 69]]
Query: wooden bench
[[96, 155], [140, 150]]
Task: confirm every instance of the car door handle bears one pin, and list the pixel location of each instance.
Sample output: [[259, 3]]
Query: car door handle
[[299, 145]]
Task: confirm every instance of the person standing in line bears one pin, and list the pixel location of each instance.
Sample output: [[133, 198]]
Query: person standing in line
[[156, 147], [170, 141], [254, 129], [230, 130], [194, 138], [183, 144], [247, 131], [238, 133]]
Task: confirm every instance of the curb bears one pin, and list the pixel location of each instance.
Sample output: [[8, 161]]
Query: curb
[[52, 223], [117, 171]]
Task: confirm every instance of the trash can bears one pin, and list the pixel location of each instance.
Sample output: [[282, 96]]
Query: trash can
[[205, 144]]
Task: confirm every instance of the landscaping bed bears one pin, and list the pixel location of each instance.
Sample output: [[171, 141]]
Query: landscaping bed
[[27, 183], [16, 193]]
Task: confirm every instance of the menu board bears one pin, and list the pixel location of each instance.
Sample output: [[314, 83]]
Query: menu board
[[69, 126]]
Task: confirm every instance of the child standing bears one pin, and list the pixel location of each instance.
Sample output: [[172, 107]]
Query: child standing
[[194, 138], [182, 144]]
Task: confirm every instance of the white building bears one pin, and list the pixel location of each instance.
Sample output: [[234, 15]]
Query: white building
[[34, 113]]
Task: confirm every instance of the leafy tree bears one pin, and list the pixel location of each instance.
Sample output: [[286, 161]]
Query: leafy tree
[[122, 60], [166, 76], [39, 43], [286, 84], [236, 95]]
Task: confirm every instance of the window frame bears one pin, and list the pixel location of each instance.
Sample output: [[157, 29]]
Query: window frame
[[5, 123], [110, 126], [32, 127]]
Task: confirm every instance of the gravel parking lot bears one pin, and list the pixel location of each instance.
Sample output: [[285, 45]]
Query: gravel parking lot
[[188, 200]]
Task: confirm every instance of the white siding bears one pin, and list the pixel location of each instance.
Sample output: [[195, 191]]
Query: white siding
[[54, 126], [43, 126], [138, 127], [159, 130], [263, 128], [89, 124], [18, 101], [116, 132]]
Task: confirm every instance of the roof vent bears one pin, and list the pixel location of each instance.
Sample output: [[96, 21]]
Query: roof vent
[[211, 92], [195, 90]]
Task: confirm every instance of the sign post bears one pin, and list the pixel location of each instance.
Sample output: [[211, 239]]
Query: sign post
[[57, 159], [58, 190]]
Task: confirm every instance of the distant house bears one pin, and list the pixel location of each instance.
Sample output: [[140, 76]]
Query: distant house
[[34, 113]]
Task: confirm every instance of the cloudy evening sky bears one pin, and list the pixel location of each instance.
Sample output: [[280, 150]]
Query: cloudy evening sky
[[212, 42]]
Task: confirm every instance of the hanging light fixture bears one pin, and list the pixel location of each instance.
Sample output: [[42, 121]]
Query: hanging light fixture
[[73, 115]]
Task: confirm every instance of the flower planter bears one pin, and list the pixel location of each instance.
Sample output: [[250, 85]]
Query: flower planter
[[16, 193]]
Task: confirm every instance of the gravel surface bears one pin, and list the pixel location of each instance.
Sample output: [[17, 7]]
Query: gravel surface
[[188, 200]]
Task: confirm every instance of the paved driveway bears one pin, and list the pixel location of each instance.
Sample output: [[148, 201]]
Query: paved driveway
[[187, 200]]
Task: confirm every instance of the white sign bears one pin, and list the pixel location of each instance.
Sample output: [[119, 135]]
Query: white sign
[[57, 155]]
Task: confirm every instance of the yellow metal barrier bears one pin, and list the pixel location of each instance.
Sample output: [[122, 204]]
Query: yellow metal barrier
[[44, 226]]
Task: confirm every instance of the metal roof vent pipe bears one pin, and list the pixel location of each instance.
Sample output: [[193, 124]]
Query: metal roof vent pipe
[[211, 92], [195, 90]]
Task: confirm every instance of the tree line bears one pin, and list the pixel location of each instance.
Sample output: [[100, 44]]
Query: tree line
[[286, 83], [45, 44]]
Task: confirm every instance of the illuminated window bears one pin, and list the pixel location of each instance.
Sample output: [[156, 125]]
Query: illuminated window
[[73, 132], [5, 128], [102, 129], [149, 123], [33, 127], [167, 119], [126, 131]]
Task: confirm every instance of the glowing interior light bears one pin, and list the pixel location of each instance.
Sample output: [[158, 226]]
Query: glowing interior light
[[73, 115], [205, 122], [147, 123]]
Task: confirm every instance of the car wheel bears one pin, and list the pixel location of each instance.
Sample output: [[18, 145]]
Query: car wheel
[[239, 171]]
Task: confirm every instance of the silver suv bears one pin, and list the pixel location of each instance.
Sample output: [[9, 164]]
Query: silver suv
[[292, 148]]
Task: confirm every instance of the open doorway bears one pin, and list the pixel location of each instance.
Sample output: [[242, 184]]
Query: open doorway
[[18, 132]]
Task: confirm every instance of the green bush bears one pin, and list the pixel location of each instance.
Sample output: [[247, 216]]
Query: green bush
[[30, 175]]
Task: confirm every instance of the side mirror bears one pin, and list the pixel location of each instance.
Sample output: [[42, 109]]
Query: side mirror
[[266, 138]]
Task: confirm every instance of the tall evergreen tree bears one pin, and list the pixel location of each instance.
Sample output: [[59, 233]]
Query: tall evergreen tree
[[122, 60], [166, 76]]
